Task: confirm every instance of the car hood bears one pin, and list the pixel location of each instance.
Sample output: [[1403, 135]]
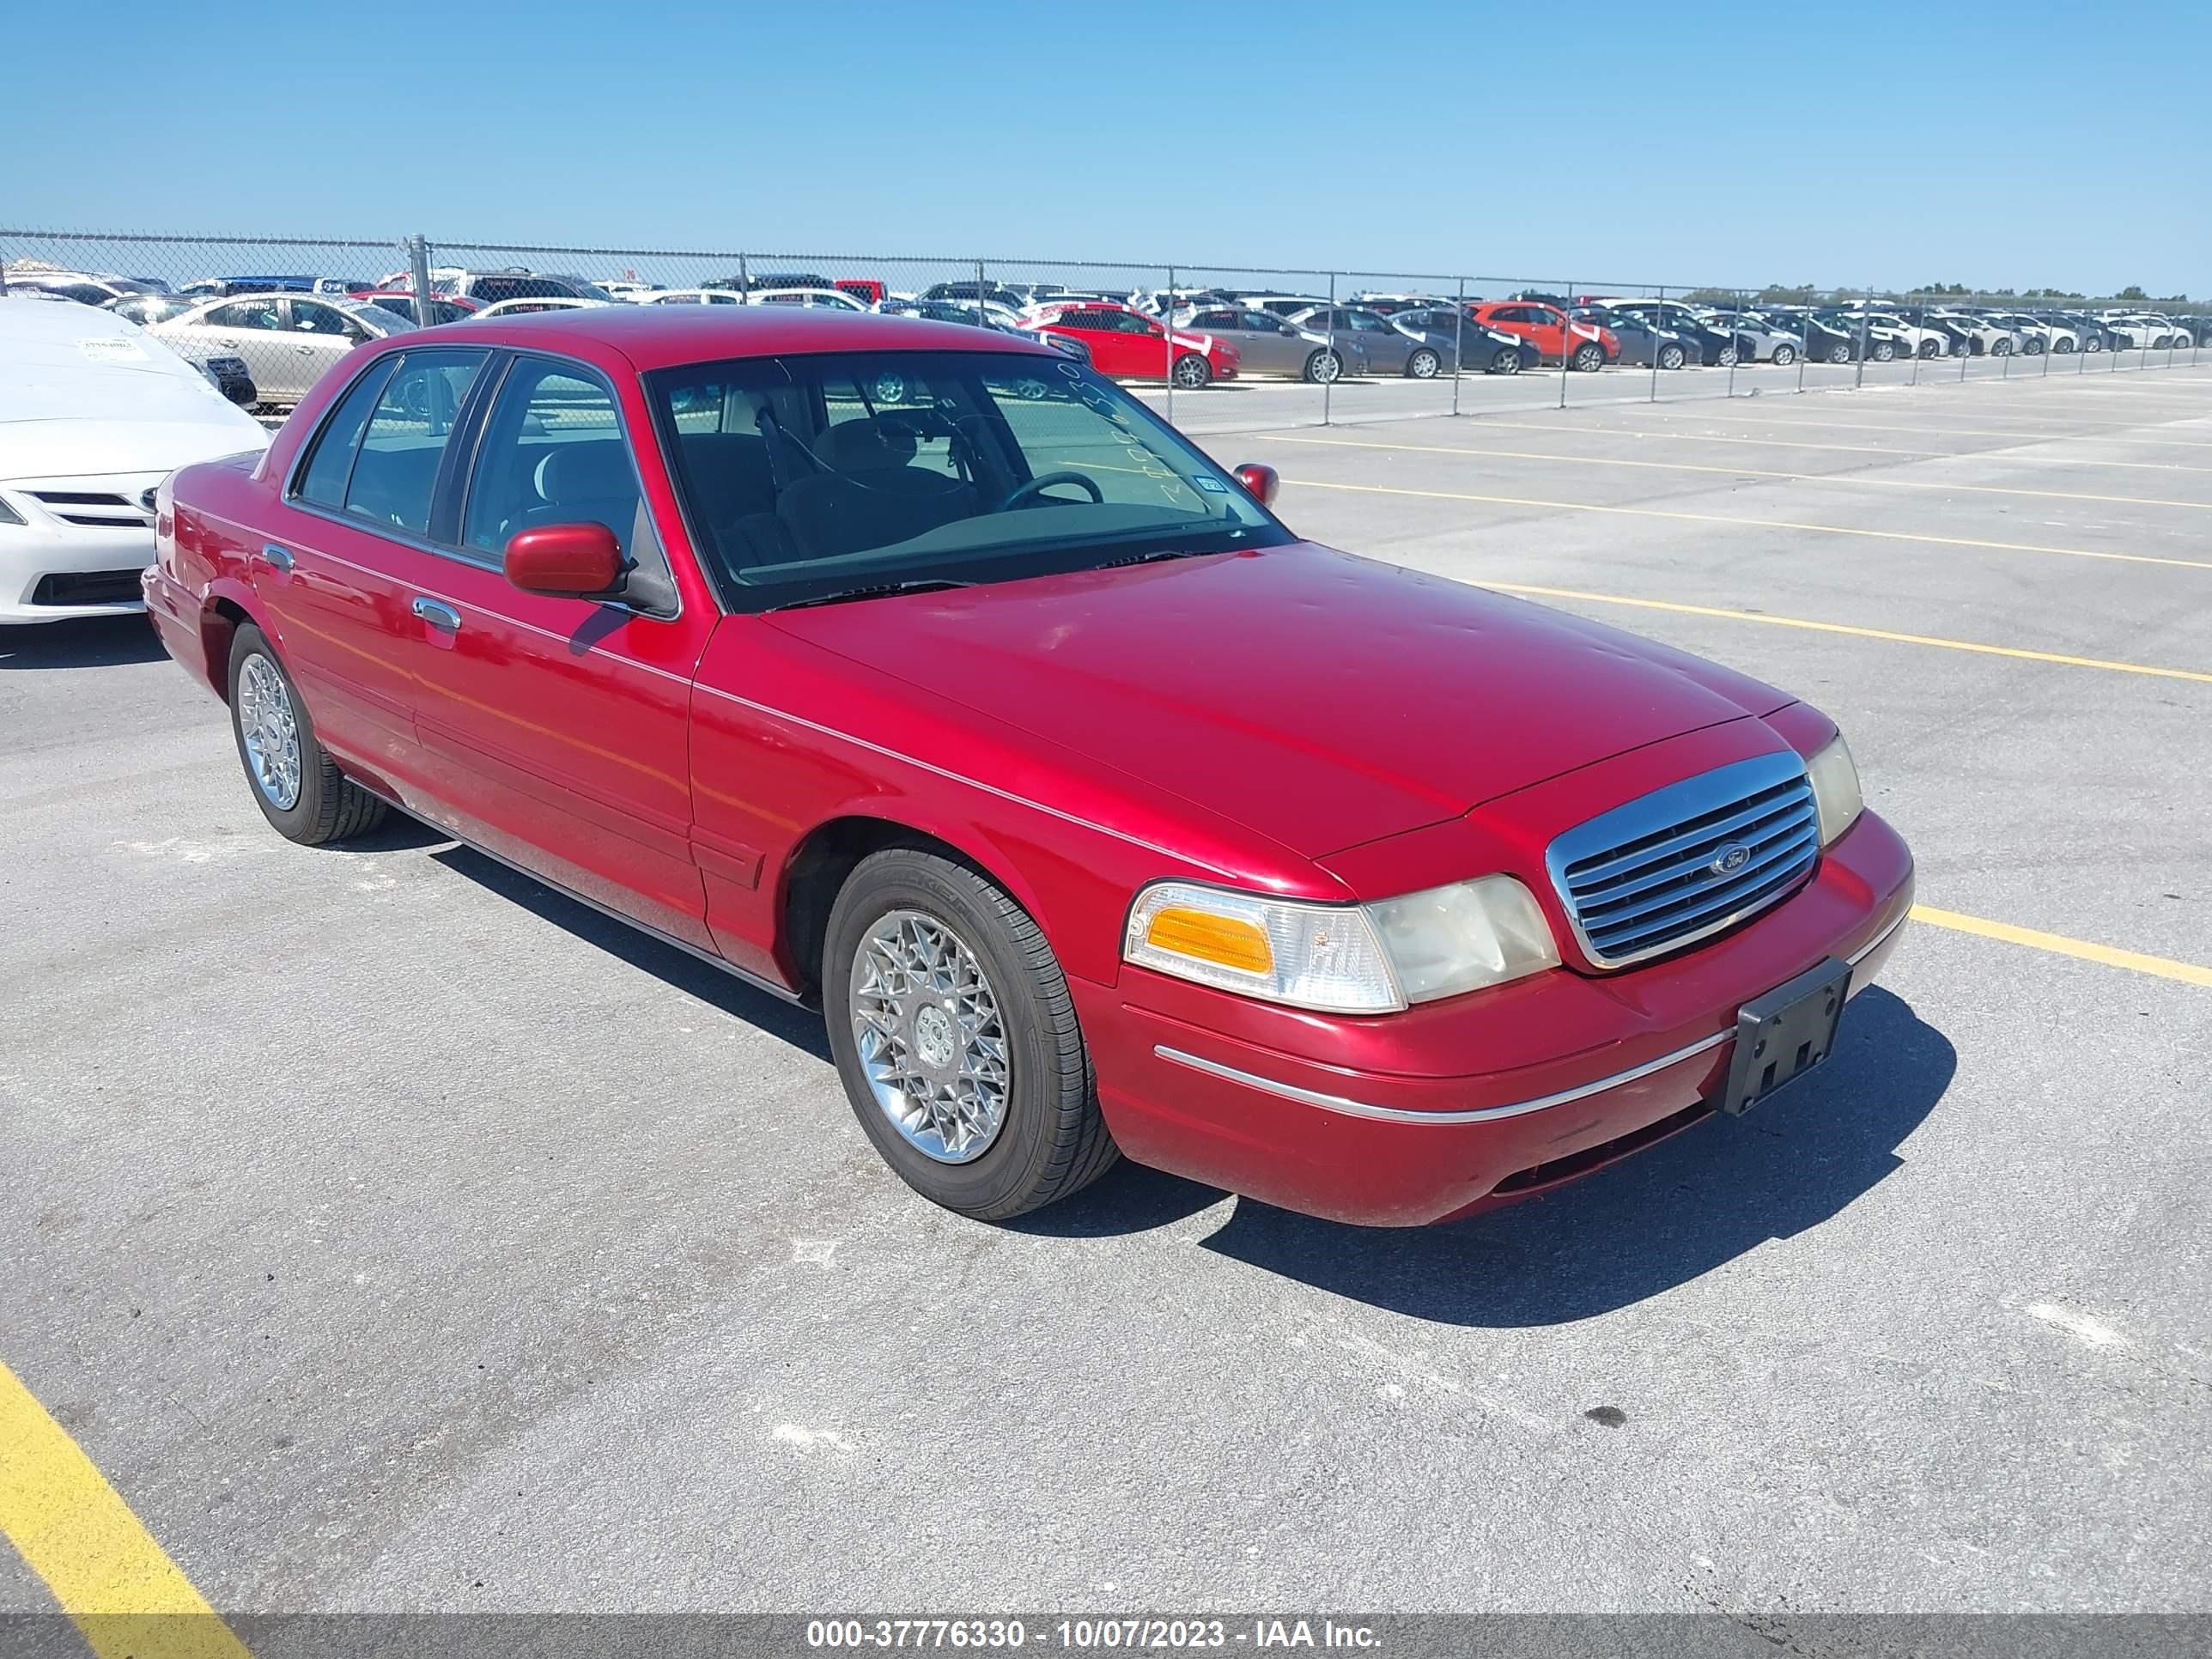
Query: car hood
[[84, 447], [1319, 699]]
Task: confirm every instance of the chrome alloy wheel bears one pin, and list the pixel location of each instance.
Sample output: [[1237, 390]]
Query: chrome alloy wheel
[[271, 731], [927, 1026]]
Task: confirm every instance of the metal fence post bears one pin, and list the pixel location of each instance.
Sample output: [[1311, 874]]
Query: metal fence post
[[1657, 316], [1327, 384], [745, 282], [1566, 346], [1459, 341], [1804, 344], [419, 268], [1921, 303], [1866, 310], [1167, 333]]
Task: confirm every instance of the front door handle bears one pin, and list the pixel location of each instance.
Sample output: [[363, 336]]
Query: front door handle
[[279, 558], [443, 617]]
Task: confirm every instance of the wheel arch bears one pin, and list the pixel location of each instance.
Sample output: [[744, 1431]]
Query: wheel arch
[[222, 612], [819, 862]]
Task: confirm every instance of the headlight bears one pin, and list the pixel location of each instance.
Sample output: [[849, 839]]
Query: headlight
[[1352, 959], [1835, 778]]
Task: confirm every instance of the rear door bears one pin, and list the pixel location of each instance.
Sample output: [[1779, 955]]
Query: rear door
[[345, 541], [252, 329], [557, 729]]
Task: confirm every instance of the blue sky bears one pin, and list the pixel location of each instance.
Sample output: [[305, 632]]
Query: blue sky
[[1886, 143]]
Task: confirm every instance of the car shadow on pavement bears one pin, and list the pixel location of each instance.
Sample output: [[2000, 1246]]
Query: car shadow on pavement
[[800, 1027], [86, 642], [1643, 1226], [1659, 1220]]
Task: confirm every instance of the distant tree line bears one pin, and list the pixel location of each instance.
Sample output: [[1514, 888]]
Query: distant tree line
[[1778, 293]]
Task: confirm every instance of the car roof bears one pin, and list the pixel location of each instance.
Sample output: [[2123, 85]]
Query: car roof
[[667, 336]]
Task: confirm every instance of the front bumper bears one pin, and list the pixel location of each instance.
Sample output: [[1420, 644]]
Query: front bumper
[[1391, 1142], [73, 559]]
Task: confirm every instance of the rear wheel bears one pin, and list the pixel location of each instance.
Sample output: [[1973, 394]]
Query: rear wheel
[[2061, 346], [1930, 348], [2094, 343], [1725, 357], [2002, 349], [1506, 360], [1191, 371], [1324, 366], [1672, 356], [1883, 351], [297, 786], [1784, 356], [1588, 358], [1423, 365], [1839, 353], [956, 1040]]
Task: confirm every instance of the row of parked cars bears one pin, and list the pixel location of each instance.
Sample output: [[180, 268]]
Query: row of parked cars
[[269, 337]]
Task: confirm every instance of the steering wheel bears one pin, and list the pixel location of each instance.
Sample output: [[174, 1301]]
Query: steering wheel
[[1046, 481]]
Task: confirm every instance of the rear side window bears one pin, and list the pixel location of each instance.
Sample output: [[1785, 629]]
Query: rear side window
[[397, 469], [323, 481]]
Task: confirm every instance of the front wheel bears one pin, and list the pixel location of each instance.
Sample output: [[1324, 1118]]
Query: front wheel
[[956, 1040], [1191, 371], [1506, 360], [1588, 358], [2061, 346], [296, 784], [1839, 353], [1672, 356], [1324, 367], [1784, 356], [1929, 349], [2094, 343], [2002, 349], [1725, 357], [1885, 352], [1423, 365]]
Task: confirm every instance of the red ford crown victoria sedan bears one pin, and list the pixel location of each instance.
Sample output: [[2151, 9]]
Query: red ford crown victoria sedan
[[923, 674]]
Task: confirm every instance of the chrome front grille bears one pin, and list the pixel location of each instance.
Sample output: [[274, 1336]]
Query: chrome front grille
[[1683, 862]]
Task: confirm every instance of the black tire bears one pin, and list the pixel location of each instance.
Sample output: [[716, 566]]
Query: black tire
[[1324, 367], [1506, 360], [1784, 356], [1053, 1140], [2094, 343], [1725, 357], [1191, 371], [1884, 350], [328, 806], [2002, 349], [1423, 364], [1929, 349], [2034, 346], [1839, 353], [1588, 358], [2061, 346], [1672, 356]]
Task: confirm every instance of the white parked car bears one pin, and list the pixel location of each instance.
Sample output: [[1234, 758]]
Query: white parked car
[[695, 296], [2141, 331], [1910, 337], [286, 340], [630, 292], [2036, 336], [834, 298], [535, 302], [94, 413]]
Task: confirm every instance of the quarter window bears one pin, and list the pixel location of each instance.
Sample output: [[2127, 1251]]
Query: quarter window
[[553, 452], [396, 471]]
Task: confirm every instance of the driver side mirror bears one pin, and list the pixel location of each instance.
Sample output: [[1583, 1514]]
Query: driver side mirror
[[564, 561], [1260, 482]]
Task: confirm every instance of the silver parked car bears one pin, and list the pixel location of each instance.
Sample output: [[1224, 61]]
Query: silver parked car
[[1389, 350], [1269, 345], [286, 340], [1760, 339]]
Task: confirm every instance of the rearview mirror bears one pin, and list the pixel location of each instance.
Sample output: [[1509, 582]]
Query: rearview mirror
[[1260, 482], [566, 560]]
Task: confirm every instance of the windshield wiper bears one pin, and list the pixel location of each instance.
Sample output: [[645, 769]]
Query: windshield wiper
[[1156, 556], [876, 591]]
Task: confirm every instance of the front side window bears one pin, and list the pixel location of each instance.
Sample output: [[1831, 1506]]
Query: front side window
[[397, 469], [553, 452], [808, 476]]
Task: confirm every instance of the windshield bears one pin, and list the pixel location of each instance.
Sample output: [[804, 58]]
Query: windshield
[[808, 476]]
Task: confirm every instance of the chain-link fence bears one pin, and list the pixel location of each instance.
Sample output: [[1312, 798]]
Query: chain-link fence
[[1215, 348]]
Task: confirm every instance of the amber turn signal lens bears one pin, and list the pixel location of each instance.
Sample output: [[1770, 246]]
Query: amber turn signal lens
[[1224, 940]]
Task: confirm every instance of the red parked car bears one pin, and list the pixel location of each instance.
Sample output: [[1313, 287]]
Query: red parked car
[[924, 675], [1126, 342], [1585, 346]]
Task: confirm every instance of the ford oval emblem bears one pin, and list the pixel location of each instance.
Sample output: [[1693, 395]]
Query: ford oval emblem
[[1730, 858]]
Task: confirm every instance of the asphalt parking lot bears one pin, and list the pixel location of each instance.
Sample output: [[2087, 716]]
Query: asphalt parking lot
[[392, 1234]]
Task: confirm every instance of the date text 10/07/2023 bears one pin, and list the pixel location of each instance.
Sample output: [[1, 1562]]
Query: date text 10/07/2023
[[1086, 1635]]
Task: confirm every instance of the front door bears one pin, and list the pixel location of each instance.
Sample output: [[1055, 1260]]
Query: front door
[[320, 336], [557, 729]]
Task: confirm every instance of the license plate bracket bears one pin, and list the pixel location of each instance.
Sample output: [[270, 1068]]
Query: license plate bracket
[[1782, 1036]]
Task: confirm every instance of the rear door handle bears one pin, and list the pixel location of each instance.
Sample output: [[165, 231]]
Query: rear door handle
[[443, 617], [279, 558]]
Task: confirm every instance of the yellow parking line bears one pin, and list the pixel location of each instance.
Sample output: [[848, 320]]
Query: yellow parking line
[[2015, 436], [2164, 967], [1758, 523], [1557, 430], [1856, 480], [125, 1596], [1842, 628]]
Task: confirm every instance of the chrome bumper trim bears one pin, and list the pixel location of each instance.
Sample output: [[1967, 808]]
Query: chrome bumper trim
[[1487, 1114]]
